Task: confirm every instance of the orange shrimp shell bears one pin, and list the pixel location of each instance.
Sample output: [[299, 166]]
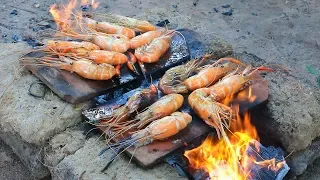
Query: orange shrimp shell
[[169, 125], [109, 57], [144, 38], [92, 71], [153, 51]]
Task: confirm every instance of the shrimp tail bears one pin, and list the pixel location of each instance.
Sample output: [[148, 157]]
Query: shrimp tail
[[118, 67], [131, 61]]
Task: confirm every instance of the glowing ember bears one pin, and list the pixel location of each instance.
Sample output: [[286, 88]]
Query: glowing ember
[[222, 161]]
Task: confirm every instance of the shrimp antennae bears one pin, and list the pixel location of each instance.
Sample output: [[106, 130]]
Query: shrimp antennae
[[125, 146]]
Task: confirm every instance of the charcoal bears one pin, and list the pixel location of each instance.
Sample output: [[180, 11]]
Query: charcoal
[[226, 6], [228, 13], [163, 23], [14, 12]]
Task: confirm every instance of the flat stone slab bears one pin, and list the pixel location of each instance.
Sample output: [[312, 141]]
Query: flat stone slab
[[26, 121]]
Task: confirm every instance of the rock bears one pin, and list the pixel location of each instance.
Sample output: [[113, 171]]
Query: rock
[[5, 159], [300, 160], [37, 5], [228, 13], [62, 145], [312, 172], [294, 110], [27, 122], [220, 48], [10, 165], [291, 116], [16, 38], [85, 162], [14, 12], [226, 6], [37, 89], [44, 23]]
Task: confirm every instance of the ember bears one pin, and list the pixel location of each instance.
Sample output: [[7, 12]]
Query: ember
[[237, 160]]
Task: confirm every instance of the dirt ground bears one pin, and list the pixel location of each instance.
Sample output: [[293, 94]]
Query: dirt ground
[[285, 32], [10, 165]]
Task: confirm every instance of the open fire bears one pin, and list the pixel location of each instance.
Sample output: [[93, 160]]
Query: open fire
[[235, 160]]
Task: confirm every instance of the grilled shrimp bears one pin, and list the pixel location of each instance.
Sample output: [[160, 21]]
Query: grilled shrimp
[[158, 130], [139, 25], [206, 101], [109, 57], [172, 80], [71, 47], [233, 83], [108, 28], [84, 68], [109, 42], [152, 52], [137, 102], [214, 114], [211, 74], [161, 108], [145, 38]]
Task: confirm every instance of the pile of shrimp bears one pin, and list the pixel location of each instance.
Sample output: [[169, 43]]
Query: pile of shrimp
[[97, 49], [208, 86], [129, 118], [158, 121]]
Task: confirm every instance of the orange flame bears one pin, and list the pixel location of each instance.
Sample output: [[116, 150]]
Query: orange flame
[[244, 96], [222, 161], [61, 16]]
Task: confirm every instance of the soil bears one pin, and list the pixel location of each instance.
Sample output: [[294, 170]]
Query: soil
[[282, 32], [10, 165]]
